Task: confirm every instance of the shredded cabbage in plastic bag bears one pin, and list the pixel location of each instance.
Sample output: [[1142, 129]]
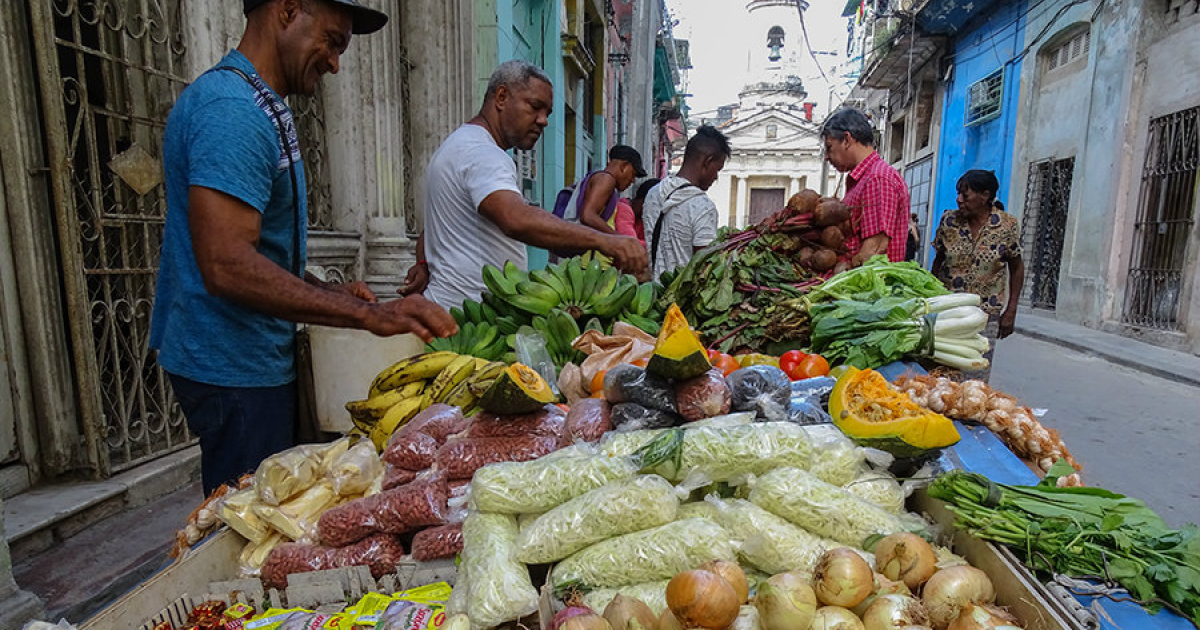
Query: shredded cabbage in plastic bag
[[839, 462], [457, 604], [723, 453], [538, 485], [697, 509], [879, 488], [768, 542], [652, 594], [525, 520], [500, 589], [826, 509], [621, 507], [623, 444], [645, 556], [727, 420]]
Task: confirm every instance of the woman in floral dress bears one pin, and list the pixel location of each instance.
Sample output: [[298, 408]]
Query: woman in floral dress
[[978, 250]]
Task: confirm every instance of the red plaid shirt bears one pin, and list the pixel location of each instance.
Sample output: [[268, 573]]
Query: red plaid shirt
[[878, 201]]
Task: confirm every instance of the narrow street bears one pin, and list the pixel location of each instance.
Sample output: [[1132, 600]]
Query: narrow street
[[1134, 433]]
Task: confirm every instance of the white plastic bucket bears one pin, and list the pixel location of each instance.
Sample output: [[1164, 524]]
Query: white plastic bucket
[[344, 362]]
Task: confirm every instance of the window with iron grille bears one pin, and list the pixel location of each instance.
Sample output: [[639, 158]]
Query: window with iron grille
[[1074, 48], [985, 98], [1166, 214], [1044, 227]]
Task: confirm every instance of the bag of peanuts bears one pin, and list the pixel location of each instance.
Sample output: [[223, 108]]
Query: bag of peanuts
[[438, 421], [437, 542], [380, 553], [417, 504], [414, 446], [395, 476], [588, 420], [459, 458], [548, 420]]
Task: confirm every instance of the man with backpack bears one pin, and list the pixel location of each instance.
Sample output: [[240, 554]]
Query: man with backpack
[[592, 200], [679, 217]]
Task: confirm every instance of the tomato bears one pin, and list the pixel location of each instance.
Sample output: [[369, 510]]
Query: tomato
[[814, 365], [713, 355], [727, 364], [598, 381], [790, 363]]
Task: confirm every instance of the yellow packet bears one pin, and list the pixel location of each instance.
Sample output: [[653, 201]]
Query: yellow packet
[[272, 618], [438, 592], [370, 608]]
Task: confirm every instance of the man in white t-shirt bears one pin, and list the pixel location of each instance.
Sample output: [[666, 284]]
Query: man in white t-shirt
[[474, 212], [688, 216]]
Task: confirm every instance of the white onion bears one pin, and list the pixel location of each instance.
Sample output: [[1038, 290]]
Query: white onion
[[843, 578], [950, 590], [892, 612], [785, 602], [906, 557], [835, 618], [984, 617]]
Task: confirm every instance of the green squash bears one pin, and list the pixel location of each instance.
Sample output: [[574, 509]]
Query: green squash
[[517, 390], [678, 354]]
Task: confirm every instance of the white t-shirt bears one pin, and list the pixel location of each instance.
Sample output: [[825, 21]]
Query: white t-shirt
[[690, 221], [467, 168]]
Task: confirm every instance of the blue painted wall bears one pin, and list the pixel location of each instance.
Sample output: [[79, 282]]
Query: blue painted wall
[[988, 43]]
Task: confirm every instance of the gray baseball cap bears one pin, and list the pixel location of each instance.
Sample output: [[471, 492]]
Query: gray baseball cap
[[366, 20]]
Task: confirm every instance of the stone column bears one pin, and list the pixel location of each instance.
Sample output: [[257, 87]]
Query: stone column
[[793, 187], [16, 606], [742, 202]]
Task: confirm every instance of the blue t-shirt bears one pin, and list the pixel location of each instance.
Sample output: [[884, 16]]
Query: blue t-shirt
[[221, 135]]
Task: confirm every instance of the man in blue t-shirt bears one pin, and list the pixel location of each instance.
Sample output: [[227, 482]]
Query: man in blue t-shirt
[[231, 281]]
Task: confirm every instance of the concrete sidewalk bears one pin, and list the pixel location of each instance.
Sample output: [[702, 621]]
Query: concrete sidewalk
[[1139, 355]]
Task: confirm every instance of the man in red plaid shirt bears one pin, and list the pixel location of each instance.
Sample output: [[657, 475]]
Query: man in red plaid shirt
[[875, 192]]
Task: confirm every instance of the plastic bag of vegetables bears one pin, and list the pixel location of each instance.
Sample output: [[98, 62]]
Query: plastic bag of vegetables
[[645, 556], [725, 453], [652, 594], [768, 542], [621, 507], [825, 509], [538, 485], [879, 488], [500, 589]]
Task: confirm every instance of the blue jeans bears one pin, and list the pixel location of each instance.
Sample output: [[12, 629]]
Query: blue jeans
[[238, 427]]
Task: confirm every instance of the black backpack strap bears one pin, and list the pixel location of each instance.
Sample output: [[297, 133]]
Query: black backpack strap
[[287, 150], [658, 224]]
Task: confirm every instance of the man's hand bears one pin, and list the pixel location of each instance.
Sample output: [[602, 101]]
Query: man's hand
[[416, 280], [357, 289], [1008, 322], [628, 255], [413, 314], [877, 244]]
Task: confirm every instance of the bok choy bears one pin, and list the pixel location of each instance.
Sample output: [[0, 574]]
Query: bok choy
[[870, 334]]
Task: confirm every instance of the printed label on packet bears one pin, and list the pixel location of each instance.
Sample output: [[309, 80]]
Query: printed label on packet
[[273, 618], [438, 592], [370, 608]]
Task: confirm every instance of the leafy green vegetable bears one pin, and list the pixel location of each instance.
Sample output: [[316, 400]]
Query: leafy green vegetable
[[618, 508], [878, 278], [1082, 532], [768, 542], [645, 556], [825, 509], [541, 484], [500, 589]]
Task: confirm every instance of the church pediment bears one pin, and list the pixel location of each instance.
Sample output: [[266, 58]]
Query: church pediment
[[773, 130]]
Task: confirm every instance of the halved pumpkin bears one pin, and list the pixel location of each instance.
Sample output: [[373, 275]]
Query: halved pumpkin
[[678, 354], [873, 413], [518, 389]]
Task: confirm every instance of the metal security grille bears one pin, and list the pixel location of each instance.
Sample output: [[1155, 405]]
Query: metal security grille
[[110, 71], [310, 124], [1166, 207], [985, 98], [1045, 224]]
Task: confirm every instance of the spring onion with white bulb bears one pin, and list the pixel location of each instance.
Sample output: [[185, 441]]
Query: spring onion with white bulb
[[945, 328]]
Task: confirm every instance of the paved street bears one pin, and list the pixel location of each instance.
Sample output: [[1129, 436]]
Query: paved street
[[1134, 433]]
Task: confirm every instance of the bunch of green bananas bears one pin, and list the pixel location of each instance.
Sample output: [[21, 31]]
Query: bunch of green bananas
[[483, 339], [559, 330], [410, 385], [582, 291]]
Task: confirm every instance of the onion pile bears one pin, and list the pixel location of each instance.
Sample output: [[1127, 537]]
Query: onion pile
[[949, 591], [892, 612], [732, 574], [835, 618], [702, 599], [629, 613], [785, 602], [843, 578], [983, 617], [907, 558]]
